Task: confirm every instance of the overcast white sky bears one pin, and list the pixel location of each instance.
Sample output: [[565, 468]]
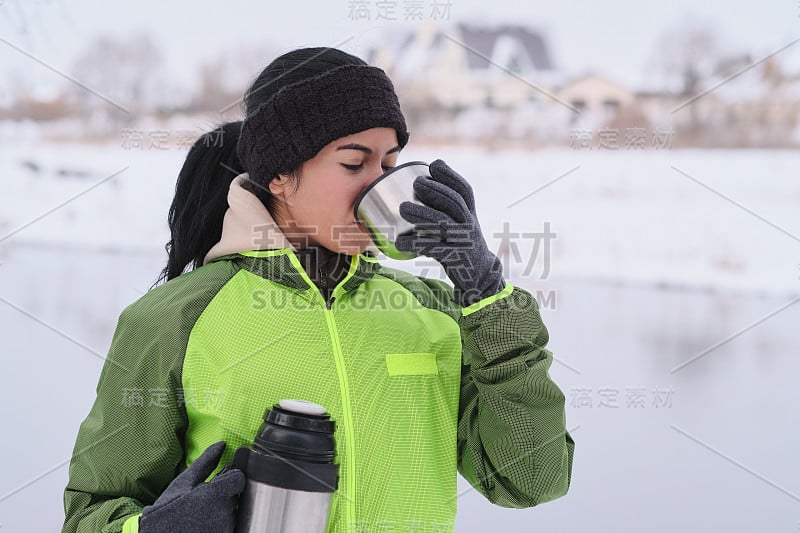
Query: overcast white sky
[[615, 37]]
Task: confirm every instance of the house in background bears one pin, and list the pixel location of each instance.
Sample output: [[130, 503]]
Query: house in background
[[597, 100], [501, 78], [761, 105], [452, 78], [493, 83], [468, 65]]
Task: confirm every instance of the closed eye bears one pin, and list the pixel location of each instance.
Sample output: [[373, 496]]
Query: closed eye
[[356, 168]]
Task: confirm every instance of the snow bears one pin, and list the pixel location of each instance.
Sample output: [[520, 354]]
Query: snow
[[652, 217]]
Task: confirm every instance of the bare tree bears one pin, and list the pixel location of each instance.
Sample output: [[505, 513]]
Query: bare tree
[[125, 71], [688, 53], [223, 80]]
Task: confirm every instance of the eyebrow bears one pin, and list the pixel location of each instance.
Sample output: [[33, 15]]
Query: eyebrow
[[356, 146]]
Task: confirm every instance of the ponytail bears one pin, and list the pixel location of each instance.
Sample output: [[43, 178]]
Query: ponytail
[[201, 199]]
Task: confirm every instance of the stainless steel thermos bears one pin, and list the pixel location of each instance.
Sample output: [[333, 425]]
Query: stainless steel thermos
[[290, 471]]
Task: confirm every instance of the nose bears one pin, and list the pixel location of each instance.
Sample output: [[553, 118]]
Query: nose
[[369, 179], [371, 176], [377, 172]]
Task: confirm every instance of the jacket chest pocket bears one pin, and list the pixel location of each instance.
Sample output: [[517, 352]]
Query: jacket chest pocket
[[411, 364]]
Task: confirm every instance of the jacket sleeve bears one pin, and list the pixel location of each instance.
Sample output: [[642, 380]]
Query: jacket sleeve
[[513, 446], [129, 447]]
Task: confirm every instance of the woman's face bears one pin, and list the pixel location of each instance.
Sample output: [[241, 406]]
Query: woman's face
[[320, 210]]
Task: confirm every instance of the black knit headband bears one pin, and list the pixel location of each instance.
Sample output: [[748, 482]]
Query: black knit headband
[[302, 118]]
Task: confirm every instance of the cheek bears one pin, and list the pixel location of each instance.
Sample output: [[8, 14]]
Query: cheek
[[333, 202], [335, 193], [321, 194], [343, 191], [329, 199]]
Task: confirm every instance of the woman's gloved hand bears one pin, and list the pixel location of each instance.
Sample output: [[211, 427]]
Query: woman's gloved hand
[[447, 230], [189, 504]]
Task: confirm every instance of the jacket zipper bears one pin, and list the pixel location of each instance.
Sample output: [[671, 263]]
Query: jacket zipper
[[349, 494]]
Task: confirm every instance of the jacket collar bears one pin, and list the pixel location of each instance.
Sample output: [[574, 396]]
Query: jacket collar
[[247, 227]]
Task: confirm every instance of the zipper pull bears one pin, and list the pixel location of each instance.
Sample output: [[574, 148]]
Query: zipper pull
[[323, 280]]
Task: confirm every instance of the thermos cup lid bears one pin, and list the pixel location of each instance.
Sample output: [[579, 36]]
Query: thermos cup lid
[[286, 415], [377, 208]]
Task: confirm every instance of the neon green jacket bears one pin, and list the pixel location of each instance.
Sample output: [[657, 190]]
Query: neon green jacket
[[419, 387]]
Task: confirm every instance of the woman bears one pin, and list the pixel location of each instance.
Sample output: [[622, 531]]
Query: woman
[[423, 379]]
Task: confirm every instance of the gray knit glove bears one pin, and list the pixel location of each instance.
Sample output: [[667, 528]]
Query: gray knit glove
[[447, 230], [189, 504]]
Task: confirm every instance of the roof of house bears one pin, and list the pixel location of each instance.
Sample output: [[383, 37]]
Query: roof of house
[[484, 40]]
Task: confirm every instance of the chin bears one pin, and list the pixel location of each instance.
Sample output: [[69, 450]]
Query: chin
[[353, 248], [352, 242]]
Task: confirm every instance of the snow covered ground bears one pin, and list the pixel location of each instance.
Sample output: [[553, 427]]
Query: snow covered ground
[[655, 217]]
